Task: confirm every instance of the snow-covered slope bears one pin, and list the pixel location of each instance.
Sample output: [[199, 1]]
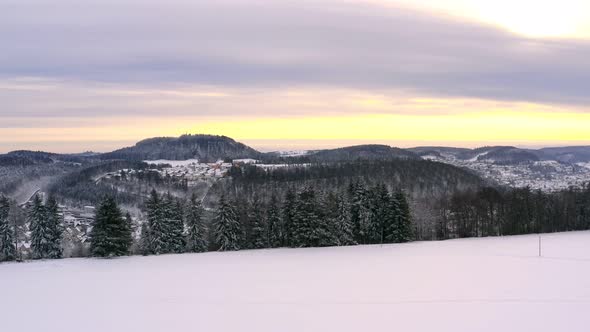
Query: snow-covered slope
[[493, 284]]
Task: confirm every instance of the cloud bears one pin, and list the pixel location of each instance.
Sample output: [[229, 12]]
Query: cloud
[[258, 44]]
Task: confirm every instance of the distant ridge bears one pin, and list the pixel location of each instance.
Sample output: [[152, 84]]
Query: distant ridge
[[362, 152], [27, 158], [202, 147], [509, 154]]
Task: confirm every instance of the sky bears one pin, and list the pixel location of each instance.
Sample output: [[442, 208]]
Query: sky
[[280, 75]]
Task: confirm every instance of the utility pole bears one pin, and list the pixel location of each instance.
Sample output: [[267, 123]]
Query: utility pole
[[539, 245]]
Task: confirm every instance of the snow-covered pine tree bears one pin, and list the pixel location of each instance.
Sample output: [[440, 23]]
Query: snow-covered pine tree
[[288, 212], [7, 244], [275, 226], [358, 210], [344, 227], [406, 230], [323, 231], [365, 219], [55, 227], [111, 234], [392, 229], [156, 225], [308, 228], [380, 211], [174, 221], [227, 227], [196, 238], [41, 234], [259, 233]]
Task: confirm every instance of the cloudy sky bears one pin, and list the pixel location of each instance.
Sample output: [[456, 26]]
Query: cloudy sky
[[279, 74]]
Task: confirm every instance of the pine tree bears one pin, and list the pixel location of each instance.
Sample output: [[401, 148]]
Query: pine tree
[[288, 216], [259, 233], [7, 245], [310, 227], [405, 219], [343, 222], [380, 210], [227, 227], [55, 228], [275, 227], [359, 214], [41, 234], [111, 234], [196, 230], [156, 225], [391, 227], [324, 229], [174, 221]]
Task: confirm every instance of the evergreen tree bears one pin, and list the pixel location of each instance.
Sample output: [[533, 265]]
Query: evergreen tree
[[310, 226], [111, 234], [343, 222], [324, 230], [41, 234], [392, 226], [259, 233], [227, 227], [156, 237], [196, 230], [275, 227], [55, 228], [174, 221], [288, 216], [380, 209], [7, 244], [359, 214], [406, 231]]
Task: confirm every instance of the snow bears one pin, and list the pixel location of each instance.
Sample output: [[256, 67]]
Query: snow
[[245, 161], [476, 158], [293, 153], [173, 163], [430, 157], [492, 284]]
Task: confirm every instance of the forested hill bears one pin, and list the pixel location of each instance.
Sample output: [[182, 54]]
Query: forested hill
[[212, 148], [29, 158], [202, 147], [507, 154], [362, 152]]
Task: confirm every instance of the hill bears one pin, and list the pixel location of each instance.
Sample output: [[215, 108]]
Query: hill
[[508, 154], [570, 154], [202, 147], [361, 152], [28, 158], [486, 285]]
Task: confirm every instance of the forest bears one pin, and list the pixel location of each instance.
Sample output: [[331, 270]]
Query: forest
[[491, 211]]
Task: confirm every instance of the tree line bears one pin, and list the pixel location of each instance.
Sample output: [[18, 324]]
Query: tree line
[[301, 217], [304, 218], [494, 212]]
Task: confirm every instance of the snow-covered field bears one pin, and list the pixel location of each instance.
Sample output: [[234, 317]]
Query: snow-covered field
[[492, 284]]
